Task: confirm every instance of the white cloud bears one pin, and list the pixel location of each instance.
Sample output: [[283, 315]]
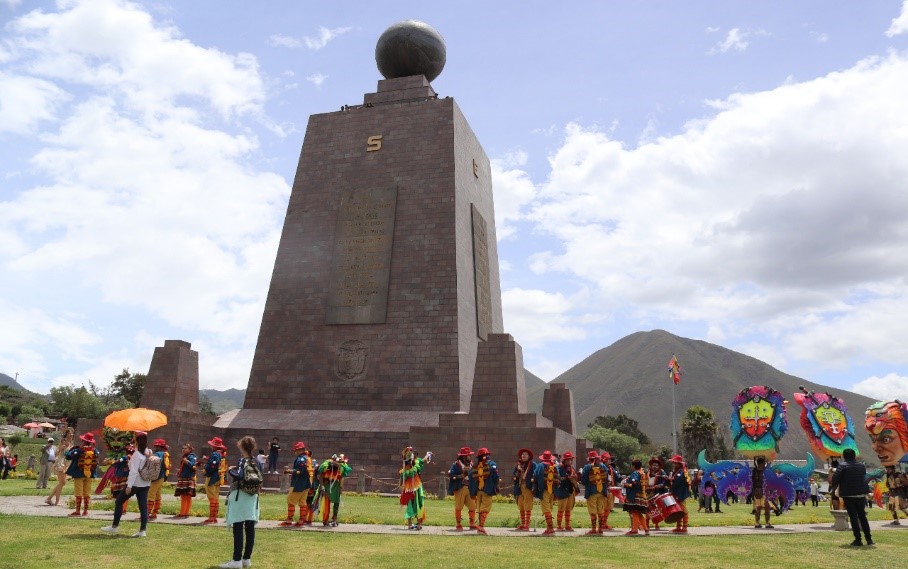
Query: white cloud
[[890, 386], [325, 35], [712, 30], [734, 39], [278, 40], [316, 79], [783, 216], [899, 24], [819, 37], [26, 101], [11, 3], [535, 317], [513, 191]]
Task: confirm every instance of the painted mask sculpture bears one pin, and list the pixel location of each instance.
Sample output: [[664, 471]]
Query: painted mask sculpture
[[758, 421]]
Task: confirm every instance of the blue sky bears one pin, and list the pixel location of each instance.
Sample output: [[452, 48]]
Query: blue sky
[[727, 171]]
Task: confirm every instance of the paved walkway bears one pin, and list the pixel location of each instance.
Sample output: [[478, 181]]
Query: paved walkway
[[35, 506]]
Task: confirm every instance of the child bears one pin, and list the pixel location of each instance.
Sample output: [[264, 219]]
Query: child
[[301, 476], [186, 481], [82, 469], [154, 492], [331, 474]]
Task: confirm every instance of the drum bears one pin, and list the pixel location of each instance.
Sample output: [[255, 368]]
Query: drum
[[665, 507]]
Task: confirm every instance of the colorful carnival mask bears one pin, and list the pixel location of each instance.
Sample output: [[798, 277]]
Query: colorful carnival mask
[[826, 423], [887, 424], [758, 421]]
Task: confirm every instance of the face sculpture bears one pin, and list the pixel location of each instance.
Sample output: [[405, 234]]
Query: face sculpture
[[887, 425], [756, 415]]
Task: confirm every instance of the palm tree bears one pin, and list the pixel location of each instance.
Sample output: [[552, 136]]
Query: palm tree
[[699, 431]]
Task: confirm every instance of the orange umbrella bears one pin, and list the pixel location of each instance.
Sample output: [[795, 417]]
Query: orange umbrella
[[138, 419]]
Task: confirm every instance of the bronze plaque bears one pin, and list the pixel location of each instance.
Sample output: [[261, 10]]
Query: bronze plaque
[[481, 274], [361, 265]]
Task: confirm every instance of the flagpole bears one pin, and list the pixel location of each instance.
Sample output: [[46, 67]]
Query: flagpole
[[674, 421]]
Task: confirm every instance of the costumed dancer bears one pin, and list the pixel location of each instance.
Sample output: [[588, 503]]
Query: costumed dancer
[[594, 478], [302, 476], [613, 483], [458, 487], [523, 487], [567, 489], [59, 467], [680, 489], [412, 494], [120, 447], [657, 480], [546, 479], [331, 474], [758, 488], [311, 504], [897, 483], [635, 486], [185, 488], [213, 468], [161, 450], [483, 485], [82, 469]]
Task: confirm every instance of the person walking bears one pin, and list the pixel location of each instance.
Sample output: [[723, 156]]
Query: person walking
[[59, 467], [135, 486], [849, 479], [242, 508], [814, 492], [48, 455]]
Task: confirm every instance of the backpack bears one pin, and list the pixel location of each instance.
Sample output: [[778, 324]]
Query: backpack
[[151, 470], [251, 480]]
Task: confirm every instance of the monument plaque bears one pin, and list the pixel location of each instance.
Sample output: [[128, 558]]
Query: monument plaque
[[362, 258], [481, 274]]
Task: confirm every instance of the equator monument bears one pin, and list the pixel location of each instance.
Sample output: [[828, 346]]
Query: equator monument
[[383, 325]]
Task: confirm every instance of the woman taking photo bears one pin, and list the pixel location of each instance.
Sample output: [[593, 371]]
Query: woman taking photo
[[134, 486]]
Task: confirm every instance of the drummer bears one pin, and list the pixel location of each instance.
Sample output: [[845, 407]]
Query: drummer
[[658, 480], [635, 486], [680, 488]]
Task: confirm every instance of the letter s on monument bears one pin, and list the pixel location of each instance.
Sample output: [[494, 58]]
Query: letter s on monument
[[373, 143]]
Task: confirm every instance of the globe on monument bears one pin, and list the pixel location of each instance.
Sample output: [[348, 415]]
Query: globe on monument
[[410, 48]]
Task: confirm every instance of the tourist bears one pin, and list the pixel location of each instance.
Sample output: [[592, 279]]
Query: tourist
[[594, 478], [546, 479], [897, 483], [566, 491], [484, 480], [458, 487], [852, 487], [302, 478], [680, 489], [60, 466], [814, 488], [242, 508], [185, 488], [4, 459], [213, 479], [161, 450], [273, 452], [135, 486], [523, 487], [613, 488], [758, 487], [261, 459], [657, 480], [48, 456], [412, 494], [331, 475], [83, 461], [635, 485]]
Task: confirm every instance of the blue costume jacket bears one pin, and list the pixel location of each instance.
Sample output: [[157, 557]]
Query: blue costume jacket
[[540, 474], [300, 479], [75, 454], [490, 485], [213, 469], [565, 488], [457, 476], [680, 488], [524, 480], [187, 469], [595, 479]]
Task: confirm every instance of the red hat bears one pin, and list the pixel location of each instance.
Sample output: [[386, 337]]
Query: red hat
[[160, 443], [88, 438], [465, 451], [677, 458], [216, 443], [482, 451], [298, 446], [657, 460], [592, 454], [546, 456], [567, 456], [605, 455], [524, 450]]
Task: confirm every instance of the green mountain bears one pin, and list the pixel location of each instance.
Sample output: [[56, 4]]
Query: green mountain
[[10, 382]]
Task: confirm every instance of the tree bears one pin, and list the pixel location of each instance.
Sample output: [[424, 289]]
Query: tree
[[699, 431], [129, 386], [75, 402], [205, 406], [624, 425], [622, 447]]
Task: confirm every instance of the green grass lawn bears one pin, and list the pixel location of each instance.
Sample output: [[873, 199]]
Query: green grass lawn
[[38, 543], [373, 509]]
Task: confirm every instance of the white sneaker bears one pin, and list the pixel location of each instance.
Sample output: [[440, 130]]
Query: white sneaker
[[140, 533], [110, 529], [231, 565], [247, 562]]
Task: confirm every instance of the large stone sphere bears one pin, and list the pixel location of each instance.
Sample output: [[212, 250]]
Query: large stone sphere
[[410, 48]]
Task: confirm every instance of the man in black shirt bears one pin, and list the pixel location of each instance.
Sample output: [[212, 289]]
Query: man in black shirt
[[849, 480]]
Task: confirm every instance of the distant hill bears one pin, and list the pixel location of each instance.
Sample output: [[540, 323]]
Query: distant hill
[[10, 382], [223, 401], [630, 377]]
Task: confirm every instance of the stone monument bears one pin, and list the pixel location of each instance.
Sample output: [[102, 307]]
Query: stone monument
[[383, 326]]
